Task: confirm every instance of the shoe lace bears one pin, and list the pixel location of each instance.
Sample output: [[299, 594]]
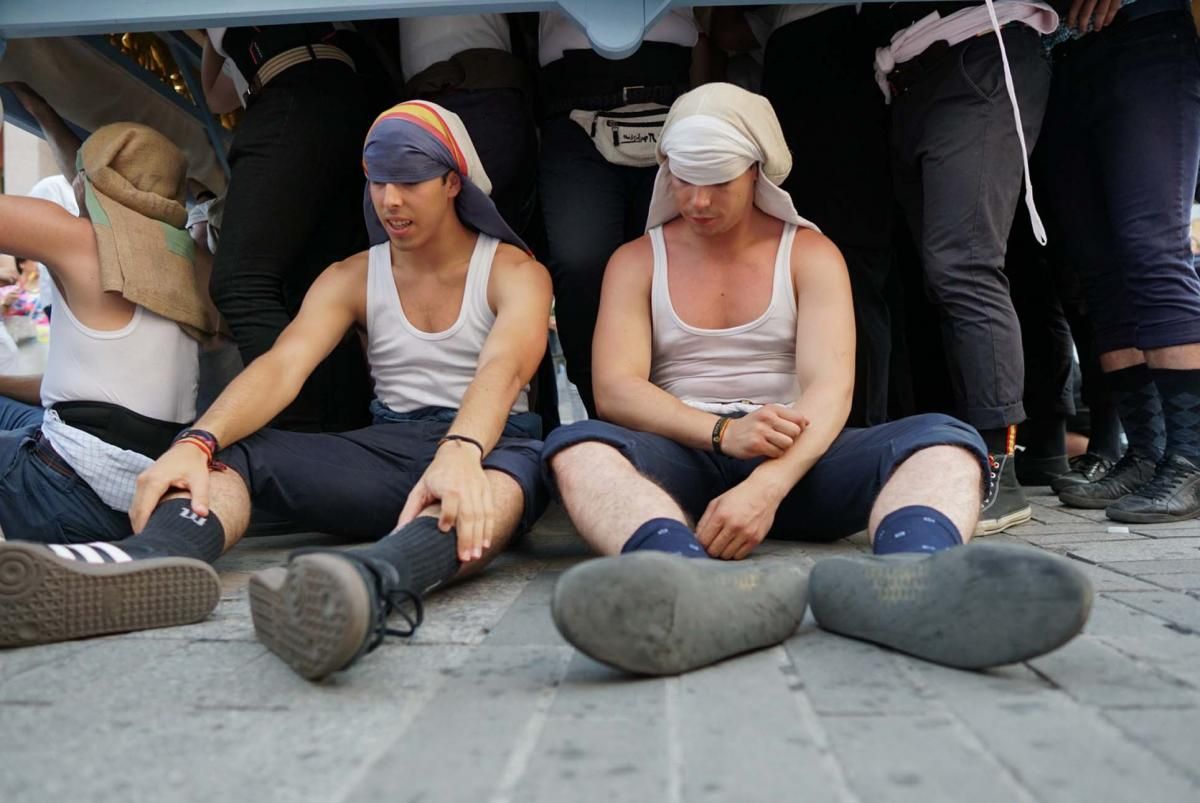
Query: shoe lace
[[1168, 478]]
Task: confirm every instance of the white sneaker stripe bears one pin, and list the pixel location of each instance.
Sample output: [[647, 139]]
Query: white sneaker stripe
[[89, 554], [63, 552], [115, 552]]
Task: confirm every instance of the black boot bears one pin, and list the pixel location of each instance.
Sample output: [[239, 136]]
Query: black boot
[[1129, 474], [1173, 495]]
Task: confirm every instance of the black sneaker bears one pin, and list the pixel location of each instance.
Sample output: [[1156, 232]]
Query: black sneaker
[[971, 607], [1129, 474], [652, 613], [1006, 505], [1086, 468], [1041, 470], [1173, 495], [326, 609], [45, 598]]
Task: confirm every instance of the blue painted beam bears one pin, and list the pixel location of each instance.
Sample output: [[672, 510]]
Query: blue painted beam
[[614, 27]]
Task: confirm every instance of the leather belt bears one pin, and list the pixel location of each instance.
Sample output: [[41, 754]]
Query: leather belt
[[280, 62], [43, 451]]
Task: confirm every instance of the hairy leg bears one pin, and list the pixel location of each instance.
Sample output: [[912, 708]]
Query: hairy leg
[[945, 478]]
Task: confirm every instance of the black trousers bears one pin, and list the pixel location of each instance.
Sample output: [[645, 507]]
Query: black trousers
[[957, 168], [817, 73], [294, 206]]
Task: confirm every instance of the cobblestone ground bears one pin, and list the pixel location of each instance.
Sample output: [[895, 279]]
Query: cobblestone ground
[[487, 703]]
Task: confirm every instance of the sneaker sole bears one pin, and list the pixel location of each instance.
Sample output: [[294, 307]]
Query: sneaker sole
[[314, 614], [1087, 502], [993, 526], [659, 614], [45, 598], [1129, 517], [970, 607]]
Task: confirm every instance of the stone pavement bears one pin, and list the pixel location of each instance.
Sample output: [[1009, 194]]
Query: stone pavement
[[488, 705]]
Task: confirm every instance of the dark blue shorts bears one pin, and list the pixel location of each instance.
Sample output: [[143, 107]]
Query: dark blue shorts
[[833, 499], [354, 484]]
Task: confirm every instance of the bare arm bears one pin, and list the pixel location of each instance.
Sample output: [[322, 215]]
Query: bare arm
[[219, 92], [63, 142], [47, 233], [824, 359], [27, 389], [621, 356], [334, 302], [520, 291]]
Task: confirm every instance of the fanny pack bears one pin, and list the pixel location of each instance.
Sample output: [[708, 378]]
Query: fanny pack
[[628, 135]]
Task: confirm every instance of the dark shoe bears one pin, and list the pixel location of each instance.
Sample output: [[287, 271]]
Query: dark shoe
[[1041, 470], [327, 609], [1006, 505], [652, 613], [1173, 495], [970, 607], [45, 598], [1126, 476], [1086, 468]]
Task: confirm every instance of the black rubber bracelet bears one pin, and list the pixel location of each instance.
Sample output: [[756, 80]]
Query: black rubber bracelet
[[718, 433], [464, 439]]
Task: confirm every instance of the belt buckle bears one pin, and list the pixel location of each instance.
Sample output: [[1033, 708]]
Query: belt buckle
[[625, 90]]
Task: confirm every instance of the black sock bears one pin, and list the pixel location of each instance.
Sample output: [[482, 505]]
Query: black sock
[[1044, 437], [1105, 438], [174, 530], [424, 556], [1140, 409], [1180, 394], [996, 440]]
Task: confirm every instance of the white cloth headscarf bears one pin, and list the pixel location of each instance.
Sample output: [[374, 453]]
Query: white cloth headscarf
[[714, 134]]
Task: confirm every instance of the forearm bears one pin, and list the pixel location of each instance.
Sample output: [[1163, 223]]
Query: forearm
[[487, 403], [826, 410], [640, 405], [252, 400], [26, 389], [63, 142]]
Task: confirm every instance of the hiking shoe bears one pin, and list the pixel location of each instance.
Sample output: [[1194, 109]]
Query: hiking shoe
[[326, 609], [1173, 495], [969, 607], [1006, 505], [1041, 470], [45, 598], [652, 613], [1086, 468], [1126, 476]]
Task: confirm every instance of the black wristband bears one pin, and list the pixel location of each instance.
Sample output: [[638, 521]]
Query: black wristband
[[464, 439], [718, 433]]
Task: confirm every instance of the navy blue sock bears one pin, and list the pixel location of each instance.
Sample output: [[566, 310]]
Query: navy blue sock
[[1180, 394], [665, 535], [915, 528]]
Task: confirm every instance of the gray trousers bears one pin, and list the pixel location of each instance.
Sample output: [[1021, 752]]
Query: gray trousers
[[956, 164]]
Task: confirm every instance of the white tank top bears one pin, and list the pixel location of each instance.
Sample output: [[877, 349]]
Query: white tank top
[[414, 369], [723, 370], [424, 41], [148, 366], [557, 32]]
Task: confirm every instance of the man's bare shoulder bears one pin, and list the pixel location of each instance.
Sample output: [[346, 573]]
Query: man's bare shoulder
[[513, 270], [512, 260], [813, 252], [633, 259]]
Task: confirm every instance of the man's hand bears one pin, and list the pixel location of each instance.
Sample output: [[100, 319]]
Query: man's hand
[[738, 520], [767, 432], [183, 467], [455, 478], [1099, 12]]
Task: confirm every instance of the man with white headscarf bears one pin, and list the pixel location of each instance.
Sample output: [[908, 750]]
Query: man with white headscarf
[[454, 313], [724, 363]]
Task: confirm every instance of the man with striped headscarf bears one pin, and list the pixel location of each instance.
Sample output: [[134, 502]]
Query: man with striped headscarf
[[454, 313], [724, 365]]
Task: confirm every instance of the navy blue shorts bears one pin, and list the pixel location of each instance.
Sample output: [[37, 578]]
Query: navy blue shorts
[[355, 484], [833, 499]]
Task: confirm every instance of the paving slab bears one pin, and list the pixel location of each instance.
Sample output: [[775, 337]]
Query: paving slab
[[488, 703]]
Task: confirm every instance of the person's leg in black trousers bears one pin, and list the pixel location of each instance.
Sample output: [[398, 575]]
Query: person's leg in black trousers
[[836, 128]]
